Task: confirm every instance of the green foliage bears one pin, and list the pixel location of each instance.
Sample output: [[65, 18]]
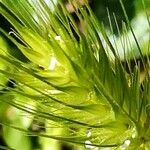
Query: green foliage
[[72, 91]]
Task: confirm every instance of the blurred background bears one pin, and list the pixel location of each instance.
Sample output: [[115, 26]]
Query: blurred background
[[9, 137]]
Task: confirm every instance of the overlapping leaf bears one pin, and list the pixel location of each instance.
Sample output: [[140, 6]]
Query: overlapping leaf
[[74, 86]]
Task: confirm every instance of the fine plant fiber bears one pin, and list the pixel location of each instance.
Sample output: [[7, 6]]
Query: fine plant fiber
[[74, 80]]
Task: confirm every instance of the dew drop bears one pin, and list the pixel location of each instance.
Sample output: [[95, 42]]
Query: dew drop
[[133, 135], [52, 63], [125, 144], [105, 148], [57, 38], [89, 145], [89, 133]]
